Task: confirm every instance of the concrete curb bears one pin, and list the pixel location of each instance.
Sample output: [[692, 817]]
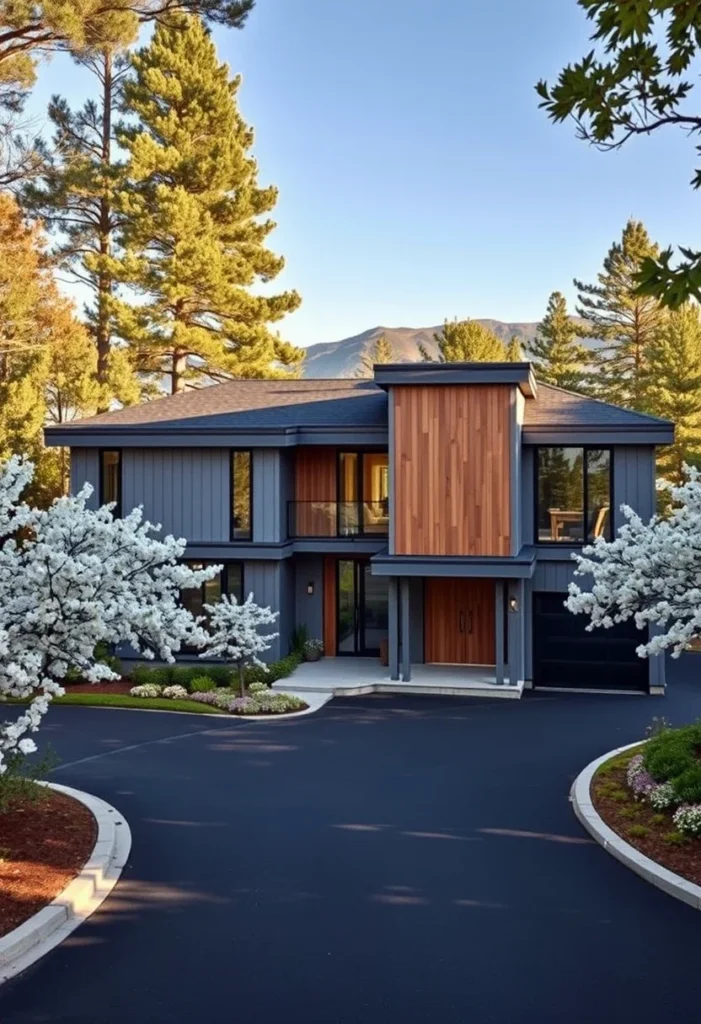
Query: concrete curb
[[650, 870], [82, 896]]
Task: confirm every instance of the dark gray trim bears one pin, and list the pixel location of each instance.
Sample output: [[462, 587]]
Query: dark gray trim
[[556, 552], [238, 552], [393, 628], [520, 567], [179, 435], [349, 546], [406, 628], [602, 437], [499, 630], [519, 374], [255, 550]]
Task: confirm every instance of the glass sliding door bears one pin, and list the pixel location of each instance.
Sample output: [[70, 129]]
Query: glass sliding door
[[363, 601], [375, 492]]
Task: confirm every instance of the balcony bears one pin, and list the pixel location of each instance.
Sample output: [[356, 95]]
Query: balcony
[[337, 518]]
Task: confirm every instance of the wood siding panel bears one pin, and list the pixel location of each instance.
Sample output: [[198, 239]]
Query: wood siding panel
[[460, 621], [329, 606], [315, 485], [452, 492]]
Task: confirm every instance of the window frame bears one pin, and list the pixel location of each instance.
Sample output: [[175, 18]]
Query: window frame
[[117, 512], [232, 496], [360, 500], [584, 448]]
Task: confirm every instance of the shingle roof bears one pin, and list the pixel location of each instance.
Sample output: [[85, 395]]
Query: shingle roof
[[555, 407], [257, 403], [282, 404]]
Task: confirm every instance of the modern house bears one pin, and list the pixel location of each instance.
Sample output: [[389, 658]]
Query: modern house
[[430, 512]]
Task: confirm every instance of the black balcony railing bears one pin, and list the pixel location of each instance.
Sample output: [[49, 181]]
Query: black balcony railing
[[337, 518]]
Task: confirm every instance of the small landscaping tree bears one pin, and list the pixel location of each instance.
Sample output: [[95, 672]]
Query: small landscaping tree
[[650, 572], [73, 582], [233, 633]]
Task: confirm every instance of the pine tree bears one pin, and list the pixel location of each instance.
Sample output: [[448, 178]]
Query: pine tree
[[624, 322], [381, 351], [75, 193], [558, 357], [192, 234], [513, 352], [467, 341], [674, 369]]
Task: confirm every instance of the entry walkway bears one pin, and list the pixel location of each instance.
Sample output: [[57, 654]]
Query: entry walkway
[[353, 676]]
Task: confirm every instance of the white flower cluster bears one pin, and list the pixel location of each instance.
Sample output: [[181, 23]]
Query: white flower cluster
[[73, 578], [662, 796], [687, 819], [233, 631], [175, 692], [146, 690], [650, 572]]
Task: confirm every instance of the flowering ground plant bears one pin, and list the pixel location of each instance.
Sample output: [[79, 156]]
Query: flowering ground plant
[[667, 775], [146, 690], [269, 702], [175, 692]]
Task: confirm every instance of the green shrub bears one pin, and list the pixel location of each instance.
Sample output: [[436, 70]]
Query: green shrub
[[182, 675], [201, 684], [673, 756], [620, 795], [674, 838], [158, 675], [638, 831], [299, 638]]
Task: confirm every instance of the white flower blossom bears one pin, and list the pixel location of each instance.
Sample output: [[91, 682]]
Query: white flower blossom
[[234, 632], [650, 572], [73, 578]]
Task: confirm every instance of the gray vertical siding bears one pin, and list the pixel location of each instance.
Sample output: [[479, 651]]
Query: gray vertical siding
[[186, 490], [267, 495], [287, 490], [269, 587], [633, 481], [85, 468], [309, 608]]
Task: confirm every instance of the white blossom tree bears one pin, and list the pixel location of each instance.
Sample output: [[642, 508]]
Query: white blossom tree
[[73, 578], [233, 633], [651, 572]]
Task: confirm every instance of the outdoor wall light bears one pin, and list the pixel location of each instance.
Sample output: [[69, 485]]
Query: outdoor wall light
[[310, 588], [513, 604]]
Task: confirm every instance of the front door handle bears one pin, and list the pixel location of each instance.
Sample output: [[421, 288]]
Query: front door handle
[[461, 621], [469, 622]]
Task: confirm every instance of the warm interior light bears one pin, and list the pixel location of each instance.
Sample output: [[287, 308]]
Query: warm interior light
[[513, 604], [310, 588]]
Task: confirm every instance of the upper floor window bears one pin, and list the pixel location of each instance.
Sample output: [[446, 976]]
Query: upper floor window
[[363, 492], [573, 495], [111, 479], [241, 496]]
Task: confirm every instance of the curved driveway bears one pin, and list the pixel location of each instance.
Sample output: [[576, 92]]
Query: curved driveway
[[387, 859]]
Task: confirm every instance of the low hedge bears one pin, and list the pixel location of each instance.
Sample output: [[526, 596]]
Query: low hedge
[[222, 675]]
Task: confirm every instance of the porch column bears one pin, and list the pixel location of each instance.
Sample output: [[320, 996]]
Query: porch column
[[406, 641], [516, 633], [499, 630], [393, 629]]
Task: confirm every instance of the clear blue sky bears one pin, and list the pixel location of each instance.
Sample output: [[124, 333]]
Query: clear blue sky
[[418, 179]]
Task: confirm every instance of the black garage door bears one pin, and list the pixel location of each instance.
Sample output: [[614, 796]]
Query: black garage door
[[564, 654]]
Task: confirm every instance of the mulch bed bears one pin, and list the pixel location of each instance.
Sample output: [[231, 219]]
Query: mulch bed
[[121, 686], [614, 801], [43, 845]]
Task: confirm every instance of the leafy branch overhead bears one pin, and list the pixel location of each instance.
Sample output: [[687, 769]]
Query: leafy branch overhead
[[636, 80]]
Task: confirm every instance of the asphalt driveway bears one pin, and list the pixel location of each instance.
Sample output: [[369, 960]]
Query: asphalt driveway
[[387, 859]]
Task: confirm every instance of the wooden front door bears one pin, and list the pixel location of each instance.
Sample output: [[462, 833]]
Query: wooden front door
[[459, 618]]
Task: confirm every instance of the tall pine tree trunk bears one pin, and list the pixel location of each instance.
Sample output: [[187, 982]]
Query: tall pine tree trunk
[[178, 372], [104, 280]]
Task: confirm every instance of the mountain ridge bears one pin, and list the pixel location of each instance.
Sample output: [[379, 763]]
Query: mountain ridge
[[344, 358]]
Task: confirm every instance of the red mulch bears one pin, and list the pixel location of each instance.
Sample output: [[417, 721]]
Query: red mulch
[[123, 686], [43, 845], [621, 812]]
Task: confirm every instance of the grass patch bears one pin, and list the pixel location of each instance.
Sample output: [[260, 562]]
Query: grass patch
[[638, 831], [123, 700]]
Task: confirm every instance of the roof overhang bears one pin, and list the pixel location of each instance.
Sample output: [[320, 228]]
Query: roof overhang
[[652, 433], [181, 435], [520, 375], [517, 567]]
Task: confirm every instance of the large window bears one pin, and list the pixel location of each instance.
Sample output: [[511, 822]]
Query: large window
[[241, 496], [111, 479], [363, 492], [573, 493], [229, 581]]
